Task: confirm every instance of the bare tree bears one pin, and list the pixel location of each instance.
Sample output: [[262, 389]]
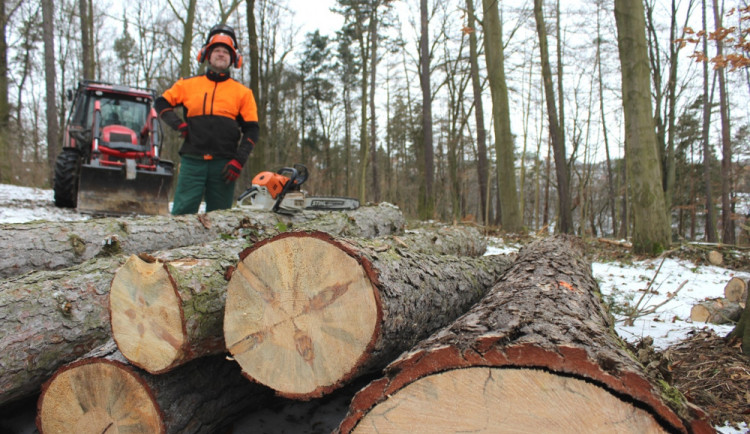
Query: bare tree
[[565, 224], [651, 230], [727, 223], [48, 14], [510, 214]]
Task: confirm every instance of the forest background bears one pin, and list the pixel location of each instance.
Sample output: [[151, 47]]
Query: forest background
[[599, 118]]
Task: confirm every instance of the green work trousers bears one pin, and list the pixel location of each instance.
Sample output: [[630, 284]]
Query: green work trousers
[[199, 178]]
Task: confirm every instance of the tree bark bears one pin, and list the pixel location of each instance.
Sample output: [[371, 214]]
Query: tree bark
[[537, 354], [510, 211], [427, 202], [727, 222], [741, 332], [482, 164], [50, 78], [52, 245], [307, 313], [105, 394], [50, 318], [556, 137], [651, 230]]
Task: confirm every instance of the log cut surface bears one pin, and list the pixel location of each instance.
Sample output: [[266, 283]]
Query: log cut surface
[[98, 397], [147, 320], [103, 393], [544, 316], [459, 400], [301, 312], [306, 312]]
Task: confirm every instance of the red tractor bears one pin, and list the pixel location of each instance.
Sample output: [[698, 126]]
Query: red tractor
[[109, 164]]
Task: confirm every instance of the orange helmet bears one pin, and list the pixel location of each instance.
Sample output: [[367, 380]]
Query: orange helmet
[[221, 34]]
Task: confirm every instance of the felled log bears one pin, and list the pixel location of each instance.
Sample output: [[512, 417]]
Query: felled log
[[736, 290], [306, 312], [716, 311], [167, 312], [50, 318], [38, 246], [102, 394], [537, 354]]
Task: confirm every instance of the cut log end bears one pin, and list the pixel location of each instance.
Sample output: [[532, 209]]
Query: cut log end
[[146, 315], [485, 399], [300, 314], [97, 397], [736, 290]]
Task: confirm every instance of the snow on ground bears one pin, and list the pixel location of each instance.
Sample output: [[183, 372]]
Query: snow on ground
[[673, 285]]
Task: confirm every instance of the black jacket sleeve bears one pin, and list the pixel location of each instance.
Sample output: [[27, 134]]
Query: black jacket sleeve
[[166, 113], [250, 131]]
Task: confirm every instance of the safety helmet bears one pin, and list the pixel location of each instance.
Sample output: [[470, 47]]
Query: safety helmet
[[221, 34]]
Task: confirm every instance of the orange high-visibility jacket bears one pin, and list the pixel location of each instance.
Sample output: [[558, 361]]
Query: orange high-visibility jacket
[[217, 109]]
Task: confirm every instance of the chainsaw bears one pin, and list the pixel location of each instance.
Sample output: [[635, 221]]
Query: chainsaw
[[280, 192]]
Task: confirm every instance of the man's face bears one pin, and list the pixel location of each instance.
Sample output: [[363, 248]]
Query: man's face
[[220, 57]]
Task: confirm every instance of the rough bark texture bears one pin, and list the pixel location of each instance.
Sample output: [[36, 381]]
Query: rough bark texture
[[38, 246], [544, 315], [50, 318], [306, 313], [167, 312], [105, 394]]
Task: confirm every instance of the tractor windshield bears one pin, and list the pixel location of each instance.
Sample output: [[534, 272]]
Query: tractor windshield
[[131, 113]]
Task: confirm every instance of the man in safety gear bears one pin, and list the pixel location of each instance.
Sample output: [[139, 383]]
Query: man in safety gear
[[220, 127]]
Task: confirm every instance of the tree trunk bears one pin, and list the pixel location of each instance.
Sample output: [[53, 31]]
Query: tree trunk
[[510, 211], [537, 354], [307, 313], [651, 230], [427, 202], [105, 394], [52, 245], [482, 164], [168, 312], [741, 332], [5, 149], [727, 223], [558, 141], [48, 16], [707, 102], [64, 312], [88, 64]]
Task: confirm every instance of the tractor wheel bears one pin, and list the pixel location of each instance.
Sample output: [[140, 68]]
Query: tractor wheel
[[67, 168]]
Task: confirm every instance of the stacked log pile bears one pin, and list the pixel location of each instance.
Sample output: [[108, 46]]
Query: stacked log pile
[[168, 312], [50, 318], [305, 312], [537, 354]]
